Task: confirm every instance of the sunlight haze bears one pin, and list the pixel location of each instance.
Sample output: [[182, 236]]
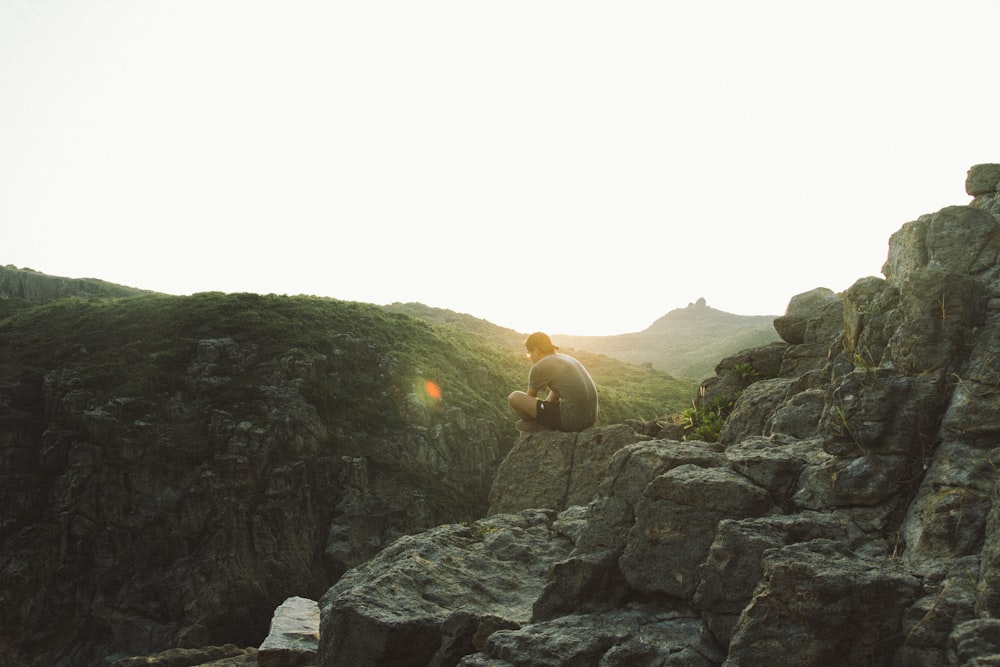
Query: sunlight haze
[[574, 167]]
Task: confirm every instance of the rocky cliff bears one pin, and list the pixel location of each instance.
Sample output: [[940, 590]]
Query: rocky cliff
[[848, 515], [173, 468]]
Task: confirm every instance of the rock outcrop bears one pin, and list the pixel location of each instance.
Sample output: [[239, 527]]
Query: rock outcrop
[[294, 635], [848, 515], [136, 523]]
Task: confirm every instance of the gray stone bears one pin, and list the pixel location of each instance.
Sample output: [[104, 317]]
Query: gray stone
[[754, 409], [676, 523], [734, 565], [817, 604], [556, 470], [395, 608], [775, 463], [618, 638], [976, 643], [982, 179], [802, 310], [293, 638]]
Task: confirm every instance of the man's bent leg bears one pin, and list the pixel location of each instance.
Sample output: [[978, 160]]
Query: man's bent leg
[[524, 405]]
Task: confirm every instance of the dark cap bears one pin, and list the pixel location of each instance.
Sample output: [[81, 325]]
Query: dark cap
[[540, 341]]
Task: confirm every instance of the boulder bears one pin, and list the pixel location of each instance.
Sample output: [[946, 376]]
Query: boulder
[[820, 604], [734, 565], [294, 635], [982, 179], [982, 183], [555, 470], [676, 522], [808, 310], [620, 638], [400, 607]]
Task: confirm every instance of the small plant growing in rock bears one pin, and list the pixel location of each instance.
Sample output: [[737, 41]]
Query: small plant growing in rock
[[745, 372], [705, 423]]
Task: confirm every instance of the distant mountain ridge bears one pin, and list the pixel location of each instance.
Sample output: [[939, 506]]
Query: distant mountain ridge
[[685, 343]]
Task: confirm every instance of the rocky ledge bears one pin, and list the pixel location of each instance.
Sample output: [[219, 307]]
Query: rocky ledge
[[848, 515]]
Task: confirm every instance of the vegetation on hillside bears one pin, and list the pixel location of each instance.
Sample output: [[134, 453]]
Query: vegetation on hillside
[[29, 284], [686, 342], [141, 346]]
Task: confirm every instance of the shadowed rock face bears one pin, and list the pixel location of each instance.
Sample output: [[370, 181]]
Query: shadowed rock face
[[136, 524], [848, 515]]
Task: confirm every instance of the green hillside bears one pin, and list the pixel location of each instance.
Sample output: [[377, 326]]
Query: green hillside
[[686, 342], [37, 287], [628, 390], [140, 346]]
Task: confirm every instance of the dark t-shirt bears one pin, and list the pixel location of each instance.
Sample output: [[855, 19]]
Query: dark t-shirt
[[571, 381]]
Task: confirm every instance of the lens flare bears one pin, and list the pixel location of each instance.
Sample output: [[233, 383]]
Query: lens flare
[[432, 390]]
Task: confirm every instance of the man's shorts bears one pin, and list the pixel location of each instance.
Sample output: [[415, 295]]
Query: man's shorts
[[547, 414]]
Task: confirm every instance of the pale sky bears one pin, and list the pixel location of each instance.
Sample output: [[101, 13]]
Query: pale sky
[[570, 166]]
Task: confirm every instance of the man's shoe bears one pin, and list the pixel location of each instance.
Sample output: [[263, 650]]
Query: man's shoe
[[525, 426]]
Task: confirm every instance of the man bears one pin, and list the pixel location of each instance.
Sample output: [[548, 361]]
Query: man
[[571, 403]]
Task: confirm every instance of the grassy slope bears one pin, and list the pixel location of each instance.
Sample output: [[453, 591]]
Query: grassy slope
[[686, 342], [141, 346], [627, 390]]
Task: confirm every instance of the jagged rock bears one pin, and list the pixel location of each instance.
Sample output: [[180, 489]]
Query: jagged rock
[[555, 470], [620, 638], [632, 468], [934, 619], [589, 581], [774, 463], [818, 604], [675, 524], [208, 656], [808, 311], [982, 179], [956, 239], [592, 578], [294, 635], [976, 643], [983, 183], [948, 516], [988, 591], [131, 524], [737, 372], [754, 409], [734, 565], [397, 609]]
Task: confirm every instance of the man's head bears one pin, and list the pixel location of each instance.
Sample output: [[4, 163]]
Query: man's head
[[539, 345]]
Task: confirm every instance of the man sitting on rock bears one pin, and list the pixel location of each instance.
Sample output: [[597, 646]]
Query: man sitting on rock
[[571, 403]]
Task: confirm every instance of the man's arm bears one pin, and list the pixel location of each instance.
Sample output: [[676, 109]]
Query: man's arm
[[551, 398]]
